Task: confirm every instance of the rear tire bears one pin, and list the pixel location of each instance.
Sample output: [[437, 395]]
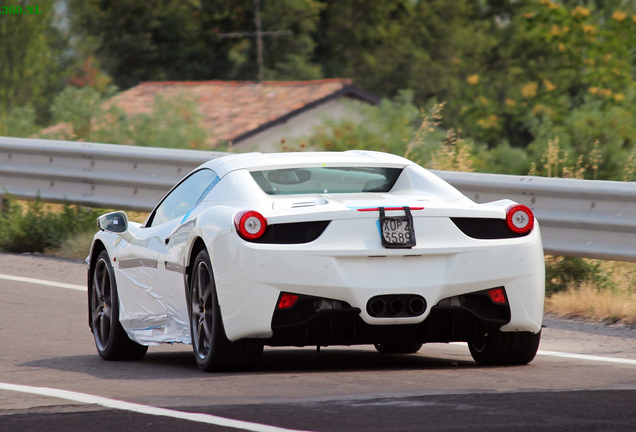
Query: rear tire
[[505, 348], [111, 339], [213, 351], [398, 347]]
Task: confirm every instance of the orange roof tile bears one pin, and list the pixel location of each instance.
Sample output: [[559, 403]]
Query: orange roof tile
[[232, 109]]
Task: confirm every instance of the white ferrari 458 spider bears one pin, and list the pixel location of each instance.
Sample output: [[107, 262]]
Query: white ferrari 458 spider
[[317, 249]]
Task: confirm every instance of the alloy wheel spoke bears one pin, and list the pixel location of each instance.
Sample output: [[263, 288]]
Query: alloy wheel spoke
[[97, 280], [206, 298], [201, 339], [95, 319], [105, 328], [96, 302], [107, 312], [207, 324], [200, 285], [104, 282]]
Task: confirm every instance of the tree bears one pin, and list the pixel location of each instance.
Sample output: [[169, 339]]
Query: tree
[[30, 59], [182, 40], [431, 47]]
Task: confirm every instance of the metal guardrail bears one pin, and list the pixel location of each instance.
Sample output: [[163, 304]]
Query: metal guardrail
[[96, 175], [584, 218]]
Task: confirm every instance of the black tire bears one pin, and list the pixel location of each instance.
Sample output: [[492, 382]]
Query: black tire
[[212, 349], [505, 348], [111, 339], [398, 347]]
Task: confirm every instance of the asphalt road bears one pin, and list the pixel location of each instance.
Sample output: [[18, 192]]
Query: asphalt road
[[45, 343]]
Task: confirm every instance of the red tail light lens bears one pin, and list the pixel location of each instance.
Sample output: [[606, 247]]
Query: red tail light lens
[[497, 295], [250, 225], [287, 300], [519, 219]]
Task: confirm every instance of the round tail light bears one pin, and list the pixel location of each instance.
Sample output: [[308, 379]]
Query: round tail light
[[519, 219], [250, 225]]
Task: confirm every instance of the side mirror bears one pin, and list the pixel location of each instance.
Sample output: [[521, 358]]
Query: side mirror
[[115, 222]]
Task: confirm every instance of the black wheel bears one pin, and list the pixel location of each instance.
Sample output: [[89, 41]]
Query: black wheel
[[398, 347], [504, 348], [212, 349], [111, 339]]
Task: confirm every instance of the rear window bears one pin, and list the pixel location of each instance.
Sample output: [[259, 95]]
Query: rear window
[[318, 180]]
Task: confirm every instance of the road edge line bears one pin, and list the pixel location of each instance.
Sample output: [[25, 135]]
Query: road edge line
[[43, 282], [143, 409]]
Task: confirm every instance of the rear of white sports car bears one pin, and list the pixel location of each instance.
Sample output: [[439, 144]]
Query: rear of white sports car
[[395, 258], [317, 249]]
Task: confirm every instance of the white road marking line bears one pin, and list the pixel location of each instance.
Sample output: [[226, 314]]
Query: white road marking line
[[144, 409], [586, 357], [43, 282], [573, 356]]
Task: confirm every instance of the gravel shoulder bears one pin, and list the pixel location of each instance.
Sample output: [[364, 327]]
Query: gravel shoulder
[[46, 267]]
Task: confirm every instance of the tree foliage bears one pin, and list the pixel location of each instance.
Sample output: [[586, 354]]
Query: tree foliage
[[514, 75], [30, 59], [84, 114], [183, 40]]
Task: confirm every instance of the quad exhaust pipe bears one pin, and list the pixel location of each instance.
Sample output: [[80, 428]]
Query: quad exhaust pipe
[[417, 306], [377, 307], [396, 306]]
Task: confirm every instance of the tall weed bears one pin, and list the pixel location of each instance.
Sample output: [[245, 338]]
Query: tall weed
[[36, 227]]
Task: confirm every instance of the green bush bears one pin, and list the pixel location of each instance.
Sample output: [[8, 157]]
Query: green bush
[[34, 228], [174, 122], [563, 272], [20, 122], [395, 126], [78, 107]]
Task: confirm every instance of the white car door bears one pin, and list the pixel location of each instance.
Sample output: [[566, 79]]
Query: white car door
[[151, 282], [141, 307]]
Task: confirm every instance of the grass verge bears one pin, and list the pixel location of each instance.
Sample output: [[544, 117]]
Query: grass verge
[[608, 296], [78, 245], [58, 229]]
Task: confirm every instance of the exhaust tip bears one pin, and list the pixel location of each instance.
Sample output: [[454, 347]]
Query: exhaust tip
[[417, 306], [377, 306], [397, 305]]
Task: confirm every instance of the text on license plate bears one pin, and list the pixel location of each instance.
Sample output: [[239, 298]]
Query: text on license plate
[[396, 231]]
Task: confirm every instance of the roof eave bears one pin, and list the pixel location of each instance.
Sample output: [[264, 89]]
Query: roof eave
[[347, 91]]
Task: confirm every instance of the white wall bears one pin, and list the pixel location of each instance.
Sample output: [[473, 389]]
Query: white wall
[[299, 126]]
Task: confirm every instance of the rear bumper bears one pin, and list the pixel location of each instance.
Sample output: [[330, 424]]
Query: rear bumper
[[445, 263], [345, 327]]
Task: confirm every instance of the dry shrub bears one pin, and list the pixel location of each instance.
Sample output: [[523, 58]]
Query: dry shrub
[[455, 154], [593, 304], [76, 246], [430, 122], [588, 301]]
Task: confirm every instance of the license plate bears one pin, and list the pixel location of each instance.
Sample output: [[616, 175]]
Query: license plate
[[397, 231]]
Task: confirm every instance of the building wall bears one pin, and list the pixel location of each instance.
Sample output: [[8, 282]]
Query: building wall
[[302, 125]]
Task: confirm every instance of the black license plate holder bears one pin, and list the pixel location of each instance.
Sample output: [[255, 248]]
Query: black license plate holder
[[397, 232]]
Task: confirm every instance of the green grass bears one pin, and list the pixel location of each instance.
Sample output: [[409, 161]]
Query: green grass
[[37, 227]]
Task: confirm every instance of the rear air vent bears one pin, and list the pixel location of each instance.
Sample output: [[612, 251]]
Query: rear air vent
[[293, 233], [303, 204], [485, 228]]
